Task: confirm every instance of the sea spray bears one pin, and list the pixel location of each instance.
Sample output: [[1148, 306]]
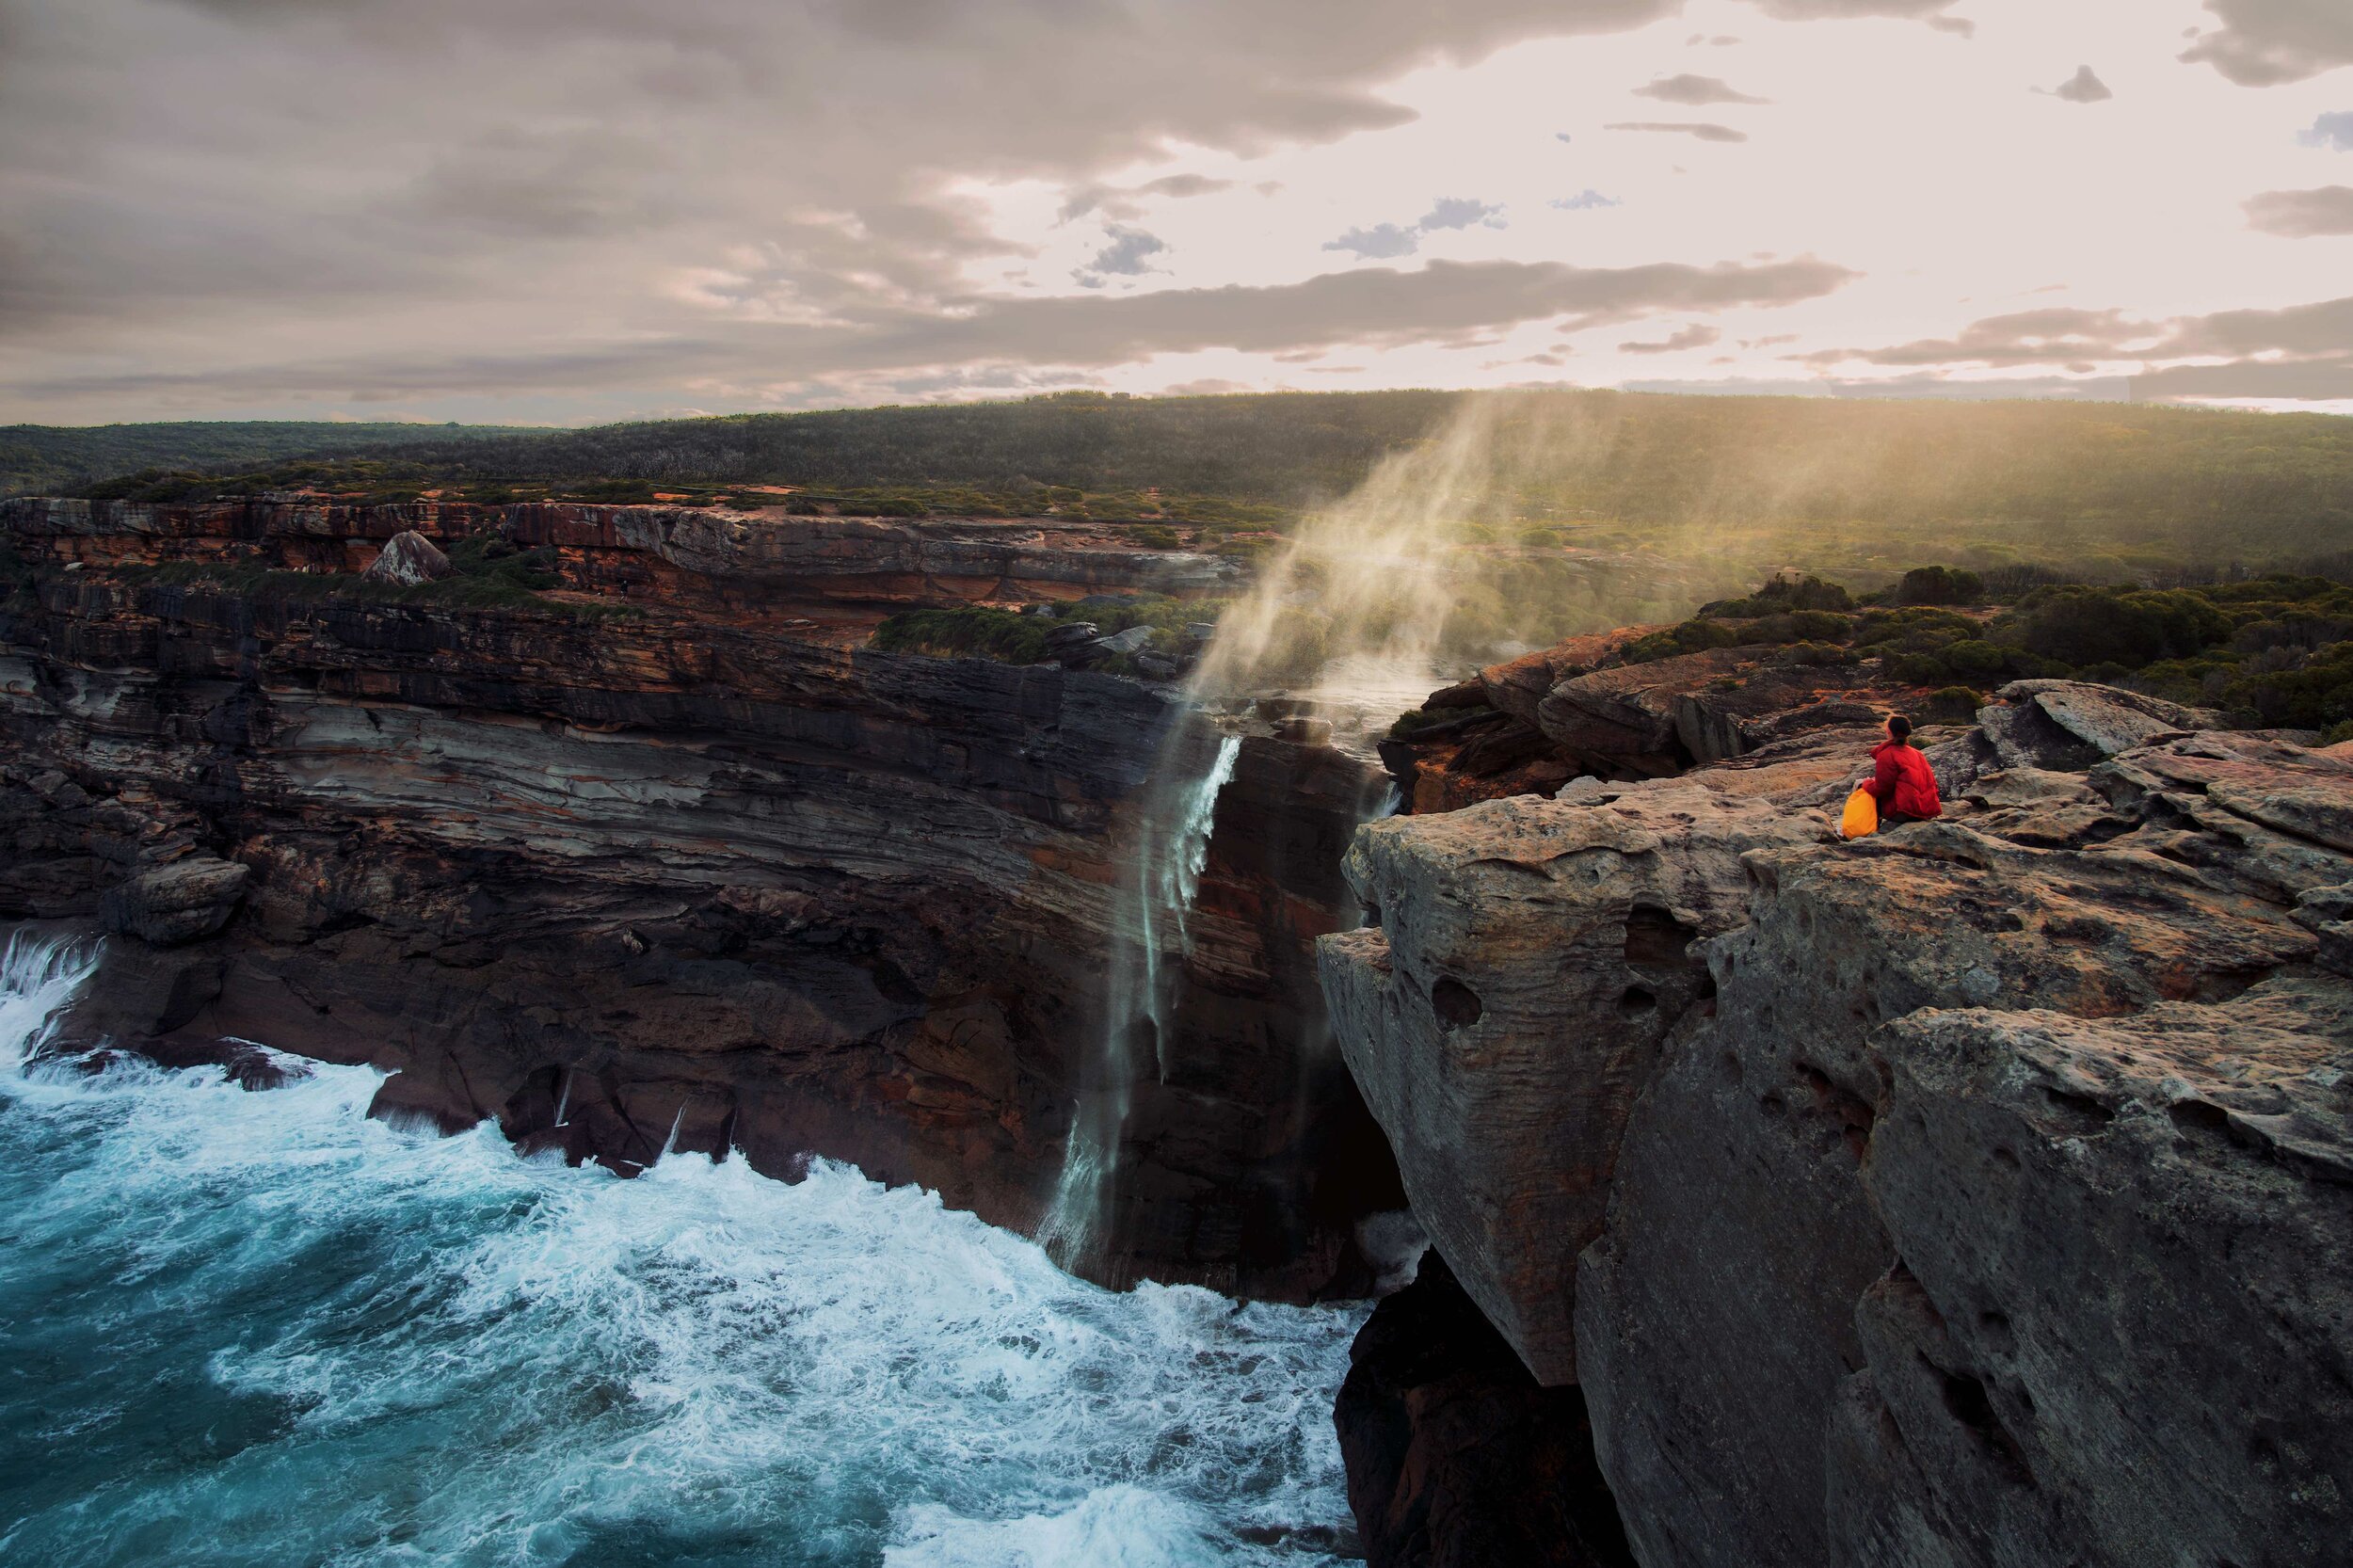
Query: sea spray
[[261, 1330]]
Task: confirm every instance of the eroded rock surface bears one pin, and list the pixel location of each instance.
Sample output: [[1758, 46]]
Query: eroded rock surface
[[1992, 1209], [1529, 960]]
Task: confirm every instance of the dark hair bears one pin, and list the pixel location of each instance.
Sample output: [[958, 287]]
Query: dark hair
[[1898, 726]]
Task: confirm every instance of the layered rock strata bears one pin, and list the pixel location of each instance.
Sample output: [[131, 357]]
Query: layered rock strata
[[661, 876], [711, 560], [1985, 1200]]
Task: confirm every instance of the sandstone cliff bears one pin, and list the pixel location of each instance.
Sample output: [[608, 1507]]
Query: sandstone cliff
[[1979, 1193], [677, 867]]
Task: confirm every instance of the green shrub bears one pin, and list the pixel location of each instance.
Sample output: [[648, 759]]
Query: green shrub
[[1153, 536], [1799, 626], [2078, 626], [1940, 585], [1952, 705], [615, 492], [1911, 630], [1692, 636], [1781, 595], [1974, 656], [2317, 695], [972, 630]]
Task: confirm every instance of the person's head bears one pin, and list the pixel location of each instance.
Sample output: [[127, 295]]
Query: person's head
[[1898, 728]]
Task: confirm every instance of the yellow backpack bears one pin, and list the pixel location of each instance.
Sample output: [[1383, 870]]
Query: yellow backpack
[[1861, 818]]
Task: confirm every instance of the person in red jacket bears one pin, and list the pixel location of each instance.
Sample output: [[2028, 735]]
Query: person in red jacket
[[1902, 780]]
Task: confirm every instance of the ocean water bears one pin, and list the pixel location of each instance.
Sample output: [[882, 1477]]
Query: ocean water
[[259, 1329]]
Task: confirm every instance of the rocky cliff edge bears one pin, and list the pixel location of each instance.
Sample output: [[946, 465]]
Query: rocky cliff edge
[[1978, 1193]]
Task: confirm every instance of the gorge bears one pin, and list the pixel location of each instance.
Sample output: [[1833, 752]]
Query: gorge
[[1977, 1194]]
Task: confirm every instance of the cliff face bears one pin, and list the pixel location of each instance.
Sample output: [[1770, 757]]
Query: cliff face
[[666, 870], [1978, 1193]]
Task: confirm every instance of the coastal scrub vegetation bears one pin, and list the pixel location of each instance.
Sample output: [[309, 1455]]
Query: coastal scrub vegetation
[[2098, 491], [2272, 650]]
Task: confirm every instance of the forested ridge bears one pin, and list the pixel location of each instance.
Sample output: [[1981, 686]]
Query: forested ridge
[[58, 460], [1838, 483]]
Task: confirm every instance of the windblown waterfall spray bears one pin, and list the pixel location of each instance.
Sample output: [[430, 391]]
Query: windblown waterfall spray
[[1356, 606], [1171, 847], [1353, 613]]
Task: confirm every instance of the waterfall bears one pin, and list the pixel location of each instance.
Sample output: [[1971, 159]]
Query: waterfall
[[39, 975], [1140, 992], [1351, 616]]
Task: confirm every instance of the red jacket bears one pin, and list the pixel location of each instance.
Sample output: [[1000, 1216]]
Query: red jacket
[[1904, 781]]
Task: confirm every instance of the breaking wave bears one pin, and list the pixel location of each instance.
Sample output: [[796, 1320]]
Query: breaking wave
[[259, 1329]]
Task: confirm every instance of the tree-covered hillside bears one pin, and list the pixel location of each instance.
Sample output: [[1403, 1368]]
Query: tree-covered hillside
[[49, 460], [1837, 484]]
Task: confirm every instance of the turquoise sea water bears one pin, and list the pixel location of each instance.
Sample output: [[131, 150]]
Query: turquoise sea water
[[259, 1329]]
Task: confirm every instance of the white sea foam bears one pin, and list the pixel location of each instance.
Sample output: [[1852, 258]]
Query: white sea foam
[[266, 1329]]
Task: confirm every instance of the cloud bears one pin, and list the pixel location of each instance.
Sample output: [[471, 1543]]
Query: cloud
[[2301, 215], [1697, 336], [2323, 380], [1695, 91], [1209, 386], [1583, 201], [1444, 302], [217, 169], [1124, 257], [1460, 211], [1388, 241], [2301, 352], [1704, 132], [2054, 336], [2330, 130], [1561, 136], [1381, 242], [1119, 201], [2084, 87], [2104, 389], [1839, 10], [2264, 43]]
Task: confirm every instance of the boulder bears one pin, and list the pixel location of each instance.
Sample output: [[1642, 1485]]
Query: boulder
[[407, 560], [179, 902], [2080, 722]]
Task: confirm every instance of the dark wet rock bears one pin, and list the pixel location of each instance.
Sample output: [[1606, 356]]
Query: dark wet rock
[[1456, 1458], [179, 902]]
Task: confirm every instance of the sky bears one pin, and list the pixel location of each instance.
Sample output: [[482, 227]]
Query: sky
[[574, 211]]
